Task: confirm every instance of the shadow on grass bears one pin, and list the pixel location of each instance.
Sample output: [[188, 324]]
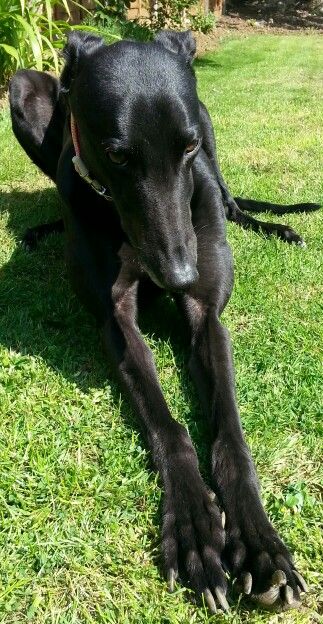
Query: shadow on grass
[[207, 61], [40, 315]]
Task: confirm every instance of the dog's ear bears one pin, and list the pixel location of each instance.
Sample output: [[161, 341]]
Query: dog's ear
[[178, 42], [80, 44]]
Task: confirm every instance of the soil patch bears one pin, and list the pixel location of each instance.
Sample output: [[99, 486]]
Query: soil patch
[[244, 23], [289, 14]]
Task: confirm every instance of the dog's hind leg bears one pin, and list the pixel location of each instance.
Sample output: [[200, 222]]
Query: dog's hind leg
[[284, 232], [34, 235], [235, 207]]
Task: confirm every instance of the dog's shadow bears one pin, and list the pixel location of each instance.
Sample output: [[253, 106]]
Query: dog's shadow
[[40, 315]]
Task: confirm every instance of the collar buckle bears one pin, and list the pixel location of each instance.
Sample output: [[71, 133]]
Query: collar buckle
[[83, 172]]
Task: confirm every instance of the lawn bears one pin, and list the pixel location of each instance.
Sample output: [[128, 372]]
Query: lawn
[[80, 505]]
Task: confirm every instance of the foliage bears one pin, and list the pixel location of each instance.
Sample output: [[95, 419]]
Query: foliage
[[202, 22], [108, 8], [29, 35], [109, 17], [113, 28], [171, 14], [179, 14]]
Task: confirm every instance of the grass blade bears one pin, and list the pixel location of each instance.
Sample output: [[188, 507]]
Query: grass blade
[[53, 51], [49, 13]]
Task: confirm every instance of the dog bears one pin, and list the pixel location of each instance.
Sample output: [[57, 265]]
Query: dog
[[132, 152], [43, 144]]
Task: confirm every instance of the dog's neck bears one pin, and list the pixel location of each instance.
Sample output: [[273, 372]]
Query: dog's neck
[[81, 168]]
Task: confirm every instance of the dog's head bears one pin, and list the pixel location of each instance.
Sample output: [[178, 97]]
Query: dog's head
[[137, 112]]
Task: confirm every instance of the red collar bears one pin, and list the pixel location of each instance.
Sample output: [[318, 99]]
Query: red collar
[[75, 136]]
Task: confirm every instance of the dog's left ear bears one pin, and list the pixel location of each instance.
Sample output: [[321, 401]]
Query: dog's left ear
[[80, 45], [178, 42]]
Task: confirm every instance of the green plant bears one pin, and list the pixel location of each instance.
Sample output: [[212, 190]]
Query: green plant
[[202, 22], [114, 28], [109, 8], [177, 14], [29, 35], [109, 17], [133, 29], [171, 14]]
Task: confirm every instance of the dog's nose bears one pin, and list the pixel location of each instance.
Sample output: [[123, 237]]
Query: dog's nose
[[183, 277]]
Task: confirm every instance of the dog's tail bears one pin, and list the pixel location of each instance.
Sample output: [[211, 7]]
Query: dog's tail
[[252, 205]]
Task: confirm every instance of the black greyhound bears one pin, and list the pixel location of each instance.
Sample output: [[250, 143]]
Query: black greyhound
[[153, 208], [40, 128]]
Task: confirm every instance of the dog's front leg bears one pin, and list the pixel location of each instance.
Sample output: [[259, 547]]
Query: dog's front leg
[[192, 532], [254, 553]]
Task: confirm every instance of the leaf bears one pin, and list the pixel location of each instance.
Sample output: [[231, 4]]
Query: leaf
[[10, 50], [88, 28], [49, 14], [66, 7], [80, 6], [34, 606], [35, 41], [53, 51], [294, 500]]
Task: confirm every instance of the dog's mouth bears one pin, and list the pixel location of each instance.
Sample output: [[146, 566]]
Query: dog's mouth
[[163, 238]]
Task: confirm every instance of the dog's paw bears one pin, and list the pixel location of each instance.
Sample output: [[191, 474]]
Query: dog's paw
[[29, 240], [193, 540], [288, 235], [264, 569]]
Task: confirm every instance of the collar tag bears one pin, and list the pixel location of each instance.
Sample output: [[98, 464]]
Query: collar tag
[[82, 169], [83, 172]]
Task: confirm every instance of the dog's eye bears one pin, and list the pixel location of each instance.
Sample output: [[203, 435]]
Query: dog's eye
[[118, 158], [191, 146]]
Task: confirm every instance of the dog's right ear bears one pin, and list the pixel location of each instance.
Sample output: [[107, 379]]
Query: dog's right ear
[[182, 43], [80, 44]]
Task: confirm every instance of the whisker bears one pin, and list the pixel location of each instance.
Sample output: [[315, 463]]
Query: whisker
[[200, 229]]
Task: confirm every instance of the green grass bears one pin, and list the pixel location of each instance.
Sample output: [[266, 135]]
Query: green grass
[[79, 532]]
